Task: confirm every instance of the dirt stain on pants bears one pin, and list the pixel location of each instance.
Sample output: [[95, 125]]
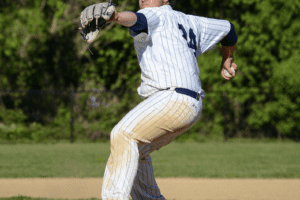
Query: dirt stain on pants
[[152, 124]]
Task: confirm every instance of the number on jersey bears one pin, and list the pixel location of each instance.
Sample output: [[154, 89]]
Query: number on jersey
[[192, 43]]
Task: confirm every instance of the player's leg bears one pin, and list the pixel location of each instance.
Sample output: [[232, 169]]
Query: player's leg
[[166, 119], [123, 161], [120, 171], [145, 186], [157, 120]]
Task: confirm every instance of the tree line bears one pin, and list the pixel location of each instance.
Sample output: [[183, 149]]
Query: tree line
[[42, 51]]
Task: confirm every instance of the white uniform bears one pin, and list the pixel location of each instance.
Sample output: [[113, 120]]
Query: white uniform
[[167, 56], [166, 60]]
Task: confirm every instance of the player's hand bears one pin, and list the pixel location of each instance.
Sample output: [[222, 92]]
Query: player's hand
[[93, 18], [227, 64], [113, 18], [96, 11]]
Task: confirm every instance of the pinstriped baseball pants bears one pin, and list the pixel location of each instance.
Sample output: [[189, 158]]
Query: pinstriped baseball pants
[[152, 124]]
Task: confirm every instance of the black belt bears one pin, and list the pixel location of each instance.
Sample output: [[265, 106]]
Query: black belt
[[188, 92]]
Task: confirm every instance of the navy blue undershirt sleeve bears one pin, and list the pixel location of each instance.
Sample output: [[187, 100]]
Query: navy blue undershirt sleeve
[[231, 38], [141, 23]]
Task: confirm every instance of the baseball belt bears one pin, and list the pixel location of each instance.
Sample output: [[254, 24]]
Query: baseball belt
[[188, 92]]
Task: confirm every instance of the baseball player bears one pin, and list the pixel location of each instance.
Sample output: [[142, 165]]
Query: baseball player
[[167, 43]]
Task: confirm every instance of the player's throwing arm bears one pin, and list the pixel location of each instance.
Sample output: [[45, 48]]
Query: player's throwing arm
[[228, 67]]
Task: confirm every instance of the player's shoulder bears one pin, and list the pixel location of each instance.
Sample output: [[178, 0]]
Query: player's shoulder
[[155, 16], [195, 17], [189, 17], [199, 20]]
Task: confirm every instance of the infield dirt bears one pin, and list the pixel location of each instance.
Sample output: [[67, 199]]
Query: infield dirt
[[171, 188]]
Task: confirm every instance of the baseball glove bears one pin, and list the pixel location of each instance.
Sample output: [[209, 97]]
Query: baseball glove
[[94, 18]]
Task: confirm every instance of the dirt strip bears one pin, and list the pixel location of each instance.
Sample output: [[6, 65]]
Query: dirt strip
[[171, 188]]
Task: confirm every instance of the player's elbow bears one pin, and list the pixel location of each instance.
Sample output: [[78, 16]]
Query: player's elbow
[[231, 38]]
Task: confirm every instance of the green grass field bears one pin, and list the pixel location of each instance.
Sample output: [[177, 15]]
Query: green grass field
[[209, 160], [235, 159]]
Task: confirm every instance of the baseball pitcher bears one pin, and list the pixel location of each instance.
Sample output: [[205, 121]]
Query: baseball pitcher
[[167, 43]]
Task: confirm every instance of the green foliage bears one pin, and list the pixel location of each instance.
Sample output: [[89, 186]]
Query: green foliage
[[286, 76], [283, 110], [47, 55], [44, 51], [10, 116], [267, 37], [37, 133], [62, 118], [13, 132]]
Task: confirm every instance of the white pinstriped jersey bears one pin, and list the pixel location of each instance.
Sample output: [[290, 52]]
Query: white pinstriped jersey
[[168, 54]]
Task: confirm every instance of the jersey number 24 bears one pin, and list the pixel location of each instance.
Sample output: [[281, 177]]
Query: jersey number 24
[[192, 43]]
